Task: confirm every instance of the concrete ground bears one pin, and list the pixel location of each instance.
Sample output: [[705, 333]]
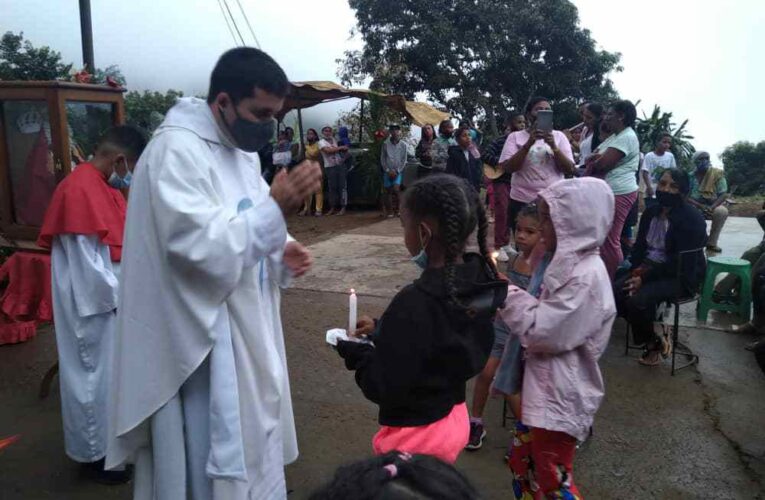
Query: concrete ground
[[695, 435]]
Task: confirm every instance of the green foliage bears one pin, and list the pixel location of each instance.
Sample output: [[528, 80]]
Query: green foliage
[[146, 110], [649, 127], [376, 116], [479, 58], [20, 60], [744, 164], [113, 71]]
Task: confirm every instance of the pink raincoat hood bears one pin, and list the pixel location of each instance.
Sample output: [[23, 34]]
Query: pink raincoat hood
[[582, 211], [566, 329]]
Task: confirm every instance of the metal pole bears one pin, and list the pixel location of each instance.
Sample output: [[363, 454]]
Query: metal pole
[[361, 123], [300, 131], [86, 28]]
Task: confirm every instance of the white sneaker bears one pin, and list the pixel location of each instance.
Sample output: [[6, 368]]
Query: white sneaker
[[502, 255]]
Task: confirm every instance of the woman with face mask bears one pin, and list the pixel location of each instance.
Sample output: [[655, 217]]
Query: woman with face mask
[[667, 228]]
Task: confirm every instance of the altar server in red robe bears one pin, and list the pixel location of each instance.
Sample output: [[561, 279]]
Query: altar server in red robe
[[83, 229]]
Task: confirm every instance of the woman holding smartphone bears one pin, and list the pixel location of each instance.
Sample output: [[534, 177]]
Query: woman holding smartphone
[[537, 157]]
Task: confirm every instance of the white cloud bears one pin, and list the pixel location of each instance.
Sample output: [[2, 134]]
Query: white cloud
[[696, 59]]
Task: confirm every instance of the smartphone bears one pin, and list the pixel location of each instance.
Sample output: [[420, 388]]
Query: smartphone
[[545, 120]]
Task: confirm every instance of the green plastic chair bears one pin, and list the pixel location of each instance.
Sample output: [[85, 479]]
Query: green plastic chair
[[738, 267]]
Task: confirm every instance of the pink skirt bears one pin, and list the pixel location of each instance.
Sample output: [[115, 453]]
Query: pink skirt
[[444, 439]]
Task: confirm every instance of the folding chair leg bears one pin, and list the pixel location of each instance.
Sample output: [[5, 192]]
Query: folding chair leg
[[504, 412], [678, 346]]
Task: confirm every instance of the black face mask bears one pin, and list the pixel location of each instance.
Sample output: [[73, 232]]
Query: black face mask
[[669, 200], [448, 135], [249, 136]]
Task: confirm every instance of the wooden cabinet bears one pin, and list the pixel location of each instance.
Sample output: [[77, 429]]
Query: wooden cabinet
[[46, 129]]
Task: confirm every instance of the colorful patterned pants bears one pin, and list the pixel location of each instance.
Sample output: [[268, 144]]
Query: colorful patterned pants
[[542, 463]]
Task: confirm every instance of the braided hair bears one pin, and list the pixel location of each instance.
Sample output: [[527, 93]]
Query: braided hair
[[397, 476], [455, 205]]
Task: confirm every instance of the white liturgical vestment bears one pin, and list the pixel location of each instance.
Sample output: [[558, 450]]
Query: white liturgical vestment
[[201, 397]]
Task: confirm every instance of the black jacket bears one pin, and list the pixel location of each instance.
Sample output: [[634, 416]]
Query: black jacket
[[687, 231], [425, 349], [469, 169]]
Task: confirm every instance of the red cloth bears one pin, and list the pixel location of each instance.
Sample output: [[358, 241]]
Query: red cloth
[[28, 294], [27, 298], [84, 203], [14, 332]]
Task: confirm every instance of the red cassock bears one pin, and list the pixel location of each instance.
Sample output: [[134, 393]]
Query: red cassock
[[84, 203]]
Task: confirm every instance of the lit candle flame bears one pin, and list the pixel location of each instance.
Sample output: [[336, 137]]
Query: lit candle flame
[[494, 256], [353, 291]]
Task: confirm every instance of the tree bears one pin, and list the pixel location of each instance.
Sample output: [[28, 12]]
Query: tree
[[146, 110], [20, 60], [744, 164], [648, 129], [479, 58]]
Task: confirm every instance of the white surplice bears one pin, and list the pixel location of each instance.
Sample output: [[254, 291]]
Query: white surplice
[[199, 342], [84, 290]]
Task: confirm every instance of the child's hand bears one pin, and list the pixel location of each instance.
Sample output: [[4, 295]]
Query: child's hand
[[364, 327]]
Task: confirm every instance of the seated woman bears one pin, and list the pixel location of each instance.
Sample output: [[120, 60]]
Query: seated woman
[[666, 229]]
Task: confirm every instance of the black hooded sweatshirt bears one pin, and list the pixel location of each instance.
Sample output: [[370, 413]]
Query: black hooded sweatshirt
[[425, 349]]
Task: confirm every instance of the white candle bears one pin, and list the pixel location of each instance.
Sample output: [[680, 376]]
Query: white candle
[[352, 305]]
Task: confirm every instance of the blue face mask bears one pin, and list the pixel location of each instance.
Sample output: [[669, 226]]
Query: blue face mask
[[118, 182], [702, 165], [421, 259]]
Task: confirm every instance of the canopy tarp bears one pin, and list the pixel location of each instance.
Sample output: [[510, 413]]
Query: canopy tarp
[[307, 94]]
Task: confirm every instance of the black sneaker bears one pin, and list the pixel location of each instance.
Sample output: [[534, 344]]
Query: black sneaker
[[94, 471], [477, 433]]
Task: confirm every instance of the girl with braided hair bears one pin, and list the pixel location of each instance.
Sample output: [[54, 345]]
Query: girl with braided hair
[[397, 476], [437, 332]]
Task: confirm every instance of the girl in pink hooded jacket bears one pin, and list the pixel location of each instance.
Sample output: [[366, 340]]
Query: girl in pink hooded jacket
[[564, 332]]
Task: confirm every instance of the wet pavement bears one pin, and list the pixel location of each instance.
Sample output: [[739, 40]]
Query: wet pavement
[[695, 435]]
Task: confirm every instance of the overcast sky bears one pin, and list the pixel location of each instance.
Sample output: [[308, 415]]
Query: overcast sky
[[696, 59]]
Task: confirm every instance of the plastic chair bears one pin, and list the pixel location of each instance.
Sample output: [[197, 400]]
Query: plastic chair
[[738, 267], [677, 346]]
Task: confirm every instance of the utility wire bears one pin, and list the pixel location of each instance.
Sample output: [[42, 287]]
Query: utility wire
[[228, 24], [234, 21], [248, 24]]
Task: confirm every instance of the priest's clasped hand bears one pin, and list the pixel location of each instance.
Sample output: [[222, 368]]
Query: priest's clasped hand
[[289, 188]]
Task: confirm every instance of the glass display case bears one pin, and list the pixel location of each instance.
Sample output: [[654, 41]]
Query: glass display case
[[46, 130]]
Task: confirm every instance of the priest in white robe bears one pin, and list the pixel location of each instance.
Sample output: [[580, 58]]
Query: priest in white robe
[[201, 396], [83, 228]]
